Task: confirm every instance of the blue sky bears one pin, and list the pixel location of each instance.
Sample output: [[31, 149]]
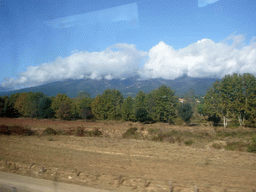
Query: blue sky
[[47, 41]]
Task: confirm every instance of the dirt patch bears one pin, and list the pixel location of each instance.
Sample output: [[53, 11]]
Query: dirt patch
[[110, 162]]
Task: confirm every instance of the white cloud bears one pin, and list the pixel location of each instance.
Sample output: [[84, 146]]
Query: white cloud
[[122, 63], [204, 58], [202, 3]]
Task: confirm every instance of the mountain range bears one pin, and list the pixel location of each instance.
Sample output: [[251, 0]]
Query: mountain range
[[128, 87]]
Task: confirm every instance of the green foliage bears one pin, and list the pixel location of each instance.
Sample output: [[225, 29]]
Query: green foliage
[[178, 121], [215, 119], [234, 123], [108, 105], [2, 103], [85, 113], [49, 131], [252, 147], [141, 115], [153, 130], [64, 111], [200, 109], [62, 106], [130, 133], [139, 101], [10, 109], [49, 113], [185, 111], [127, 109], [44, 104], [83, 105], [233, 96], [189, 142], [161, 104]]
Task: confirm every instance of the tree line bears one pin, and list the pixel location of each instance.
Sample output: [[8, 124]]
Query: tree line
[[232, 97], [159, 105]]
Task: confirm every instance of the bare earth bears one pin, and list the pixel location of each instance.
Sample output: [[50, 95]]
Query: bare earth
[[116, 164]]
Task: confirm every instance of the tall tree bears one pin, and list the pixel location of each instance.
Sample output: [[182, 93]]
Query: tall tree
[[233, 96], [127, 109], [161, 104], [185, 111], [249, 82], [44, 104], [2, 104], [62, 106], [108, 105]]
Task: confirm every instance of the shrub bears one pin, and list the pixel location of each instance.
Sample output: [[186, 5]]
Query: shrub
[[178, 121], [70, 131], [50, 131], [217, 146], [4, 130], [19, 130], [234, 123], [131, 132], [252, 147], [153, 130], [185, 111], [50, 139], [235, 146], [189, 142], [79, 131], [95, 133]]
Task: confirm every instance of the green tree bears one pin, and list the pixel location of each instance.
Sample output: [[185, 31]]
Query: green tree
[[21, 104], [96, 107], [201, 109], [213, 102], [64, 111], [108, 105], [127, 109], [44, 104], [49, 113], [249, 82], [141, 115], [161, 104], [2, 104], [185, 111], [9, 108], [233, 96], [33, 101], [62, 106]]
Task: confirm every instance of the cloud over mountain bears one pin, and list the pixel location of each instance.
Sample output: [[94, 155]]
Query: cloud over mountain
[[204, 58]]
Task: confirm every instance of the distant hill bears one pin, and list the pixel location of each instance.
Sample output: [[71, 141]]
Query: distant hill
[[129, 87]]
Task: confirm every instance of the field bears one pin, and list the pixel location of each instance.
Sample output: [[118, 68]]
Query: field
[[155, 157]]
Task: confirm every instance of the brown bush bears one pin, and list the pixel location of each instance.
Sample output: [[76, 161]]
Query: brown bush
[[19, 130], [4, 130]]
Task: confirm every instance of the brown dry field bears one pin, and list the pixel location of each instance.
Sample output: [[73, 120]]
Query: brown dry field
[[116, 164]]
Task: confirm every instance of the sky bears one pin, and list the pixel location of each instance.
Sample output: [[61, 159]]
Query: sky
[[53, 40]]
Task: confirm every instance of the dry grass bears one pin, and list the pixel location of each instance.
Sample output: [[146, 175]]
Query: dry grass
[[184, 157]]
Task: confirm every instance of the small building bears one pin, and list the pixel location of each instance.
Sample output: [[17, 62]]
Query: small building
[[181, 100]]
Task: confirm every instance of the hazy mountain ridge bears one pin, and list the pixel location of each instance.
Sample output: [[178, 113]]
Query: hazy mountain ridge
[[129, 87]]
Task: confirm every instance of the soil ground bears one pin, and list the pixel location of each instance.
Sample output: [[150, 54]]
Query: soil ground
[[112, 163]]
